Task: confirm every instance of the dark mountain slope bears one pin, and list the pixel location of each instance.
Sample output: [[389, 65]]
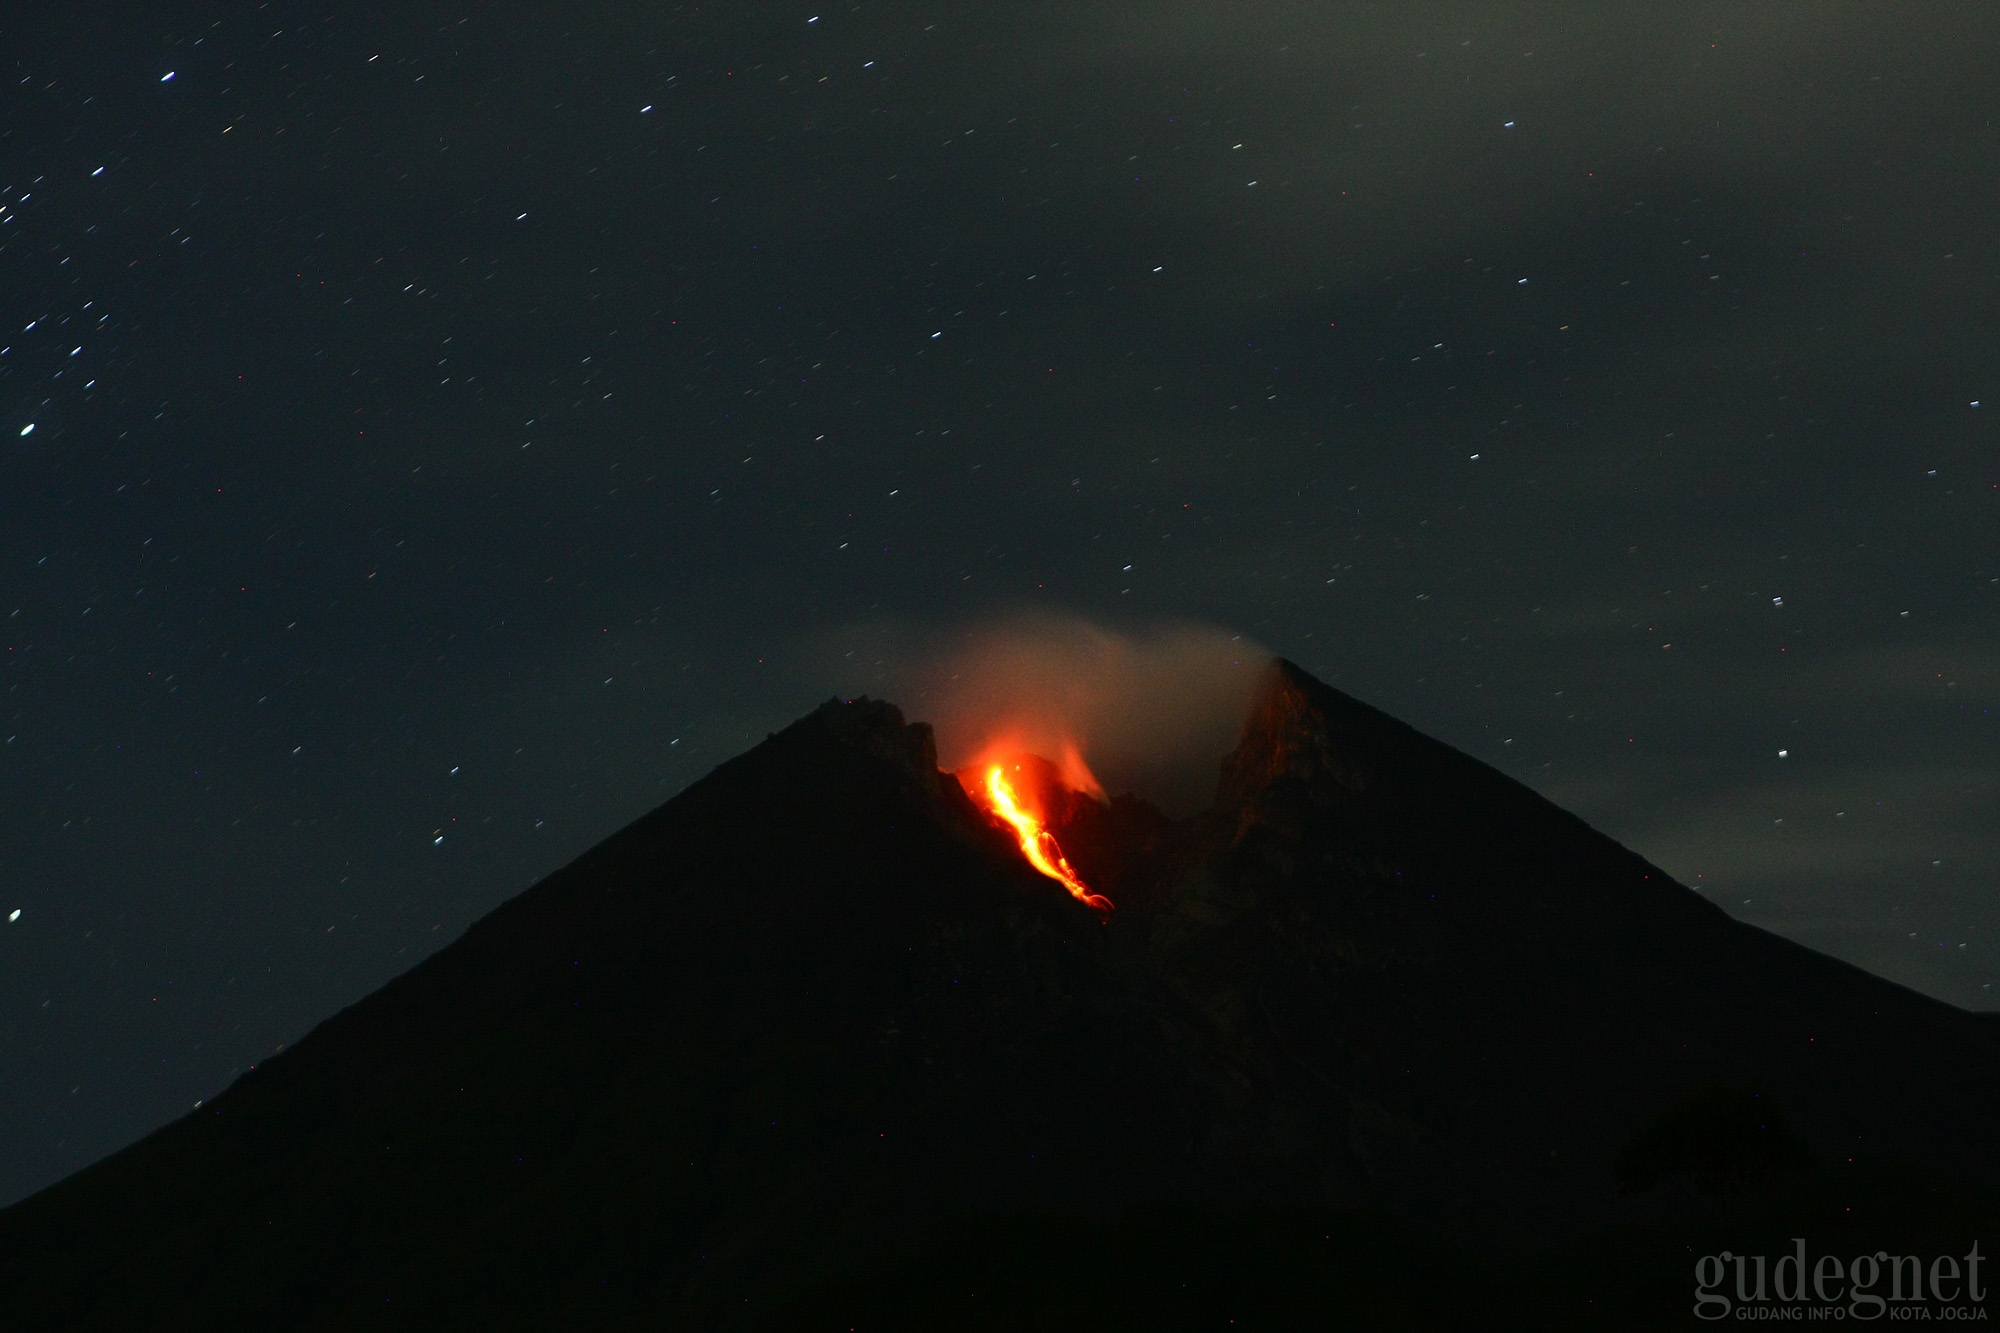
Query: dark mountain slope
[[816, 1008], [1480, 997], [800, 1012]]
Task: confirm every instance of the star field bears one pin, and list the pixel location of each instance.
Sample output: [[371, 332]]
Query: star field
[[429, 438]]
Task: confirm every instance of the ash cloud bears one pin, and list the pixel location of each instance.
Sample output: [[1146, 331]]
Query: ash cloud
[[1151, 713]]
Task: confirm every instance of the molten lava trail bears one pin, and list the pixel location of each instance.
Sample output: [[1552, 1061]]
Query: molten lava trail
[[1037, 843]]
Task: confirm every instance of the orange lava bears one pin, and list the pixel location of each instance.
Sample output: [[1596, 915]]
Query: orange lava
[[1037, 843]]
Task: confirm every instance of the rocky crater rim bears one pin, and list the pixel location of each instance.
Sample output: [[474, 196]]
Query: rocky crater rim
[[1286, 735]]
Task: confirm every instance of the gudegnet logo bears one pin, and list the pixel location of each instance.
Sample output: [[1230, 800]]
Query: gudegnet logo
[[1865, 1287]]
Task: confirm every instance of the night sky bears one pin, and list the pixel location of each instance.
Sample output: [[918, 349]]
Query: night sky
[[435, 434]]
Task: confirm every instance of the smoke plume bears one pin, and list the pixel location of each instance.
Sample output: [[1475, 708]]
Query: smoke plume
[[1151, 713]]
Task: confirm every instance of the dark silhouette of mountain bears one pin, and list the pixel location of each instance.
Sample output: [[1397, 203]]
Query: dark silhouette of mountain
[[811, 1043]]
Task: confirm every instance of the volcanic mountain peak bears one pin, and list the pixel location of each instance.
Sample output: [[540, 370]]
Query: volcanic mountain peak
[[819, 1006], [1289, 734], [876, 727], [1305, 741]]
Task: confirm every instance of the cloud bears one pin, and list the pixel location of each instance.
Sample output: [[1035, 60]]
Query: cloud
[[1884, 826]]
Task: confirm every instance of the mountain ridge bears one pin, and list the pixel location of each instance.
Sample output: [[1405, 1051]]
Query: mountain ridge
[[817, 1006]]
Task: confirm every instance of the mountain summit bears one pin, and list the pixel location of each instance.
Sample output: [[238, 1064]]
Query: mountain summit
[[817, 1011]]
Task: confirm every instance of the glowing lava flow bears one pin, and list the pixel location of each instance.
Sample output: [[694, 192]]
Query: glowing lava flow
[[1037, 843]]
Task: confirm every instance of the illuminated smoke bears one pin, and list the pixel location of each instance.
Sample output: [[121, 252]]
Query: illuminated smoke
[[1151, 713]]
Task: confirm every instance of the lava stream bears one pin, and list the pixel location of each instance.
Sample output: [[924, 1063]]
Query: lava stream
[[1037, 843]]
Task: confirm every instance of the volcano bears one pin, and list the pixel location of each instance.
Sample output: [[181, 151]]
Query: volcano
[[814, 1045]]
